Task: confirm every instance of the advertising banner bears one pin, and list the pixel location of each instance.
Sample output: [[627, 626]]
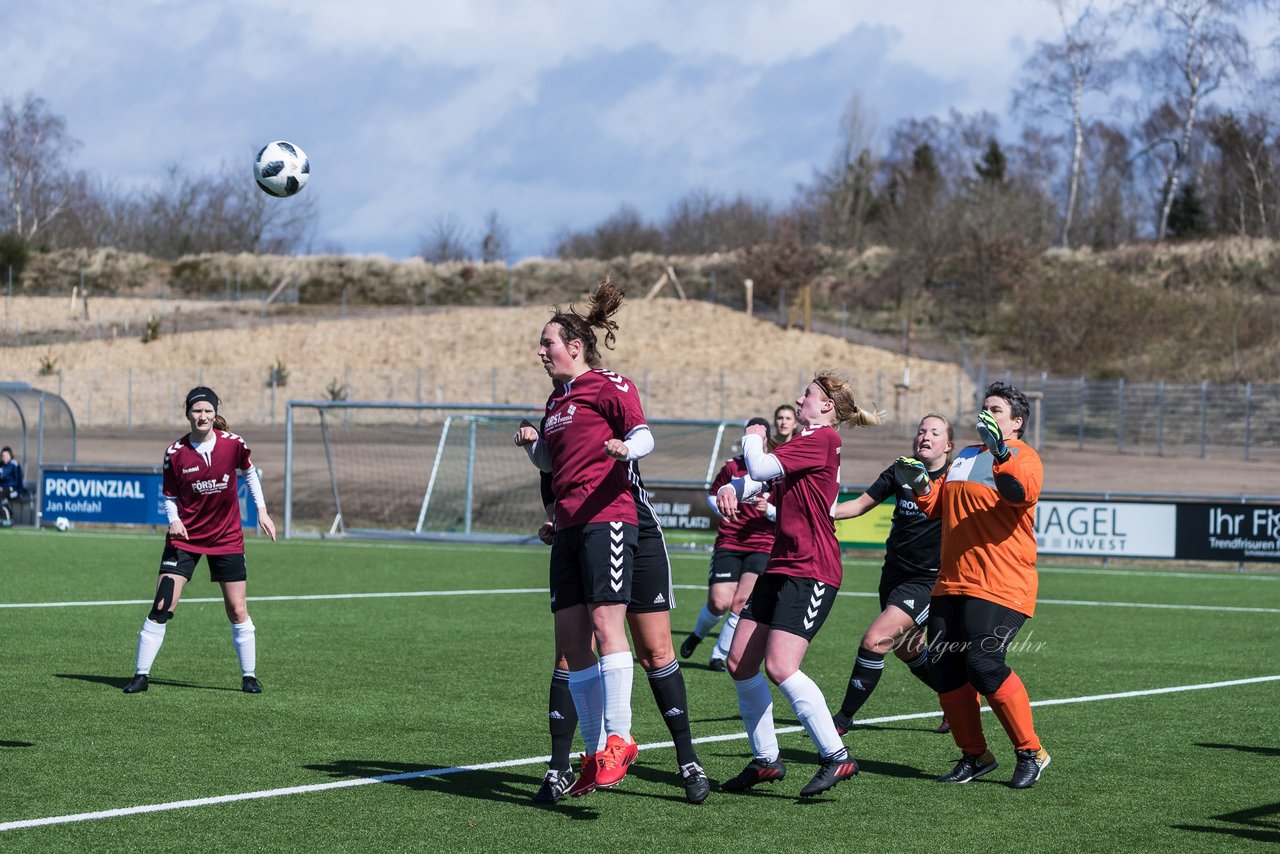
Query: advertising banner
[[682, 508], [1235, 532], [116, 497], [1106, 528], [868, 531]]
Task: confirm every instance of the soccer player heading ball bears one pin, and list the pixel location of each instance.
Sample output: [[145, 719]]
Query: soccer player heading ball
[[200, 485]]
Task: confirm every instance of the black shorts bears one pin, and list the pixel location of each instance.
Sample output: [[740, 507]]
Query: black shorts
[[179, 561], [651, 589], [728, 565], [968, 635], [592, 564], [909, 591], [798, 606]]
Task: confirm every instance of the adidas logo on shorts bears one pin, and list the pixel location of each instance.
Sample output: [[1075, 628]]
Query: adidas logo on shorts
[[659, 600], [910, 603]]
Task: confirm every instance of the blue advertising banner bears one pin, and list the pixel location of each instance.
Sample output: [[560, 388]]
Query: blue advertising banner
[[116, 497]]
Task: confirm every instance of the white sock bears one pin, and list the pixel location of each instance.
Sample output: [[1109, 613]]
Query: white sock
[[616, 670], [586, 687], [706, 622], [246, 644], [726, 637], [149, 641], [811, 708], [755, 702]]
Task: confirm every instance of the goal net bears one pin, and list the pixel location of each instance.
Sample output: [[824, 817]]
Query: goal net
[[385, 469]]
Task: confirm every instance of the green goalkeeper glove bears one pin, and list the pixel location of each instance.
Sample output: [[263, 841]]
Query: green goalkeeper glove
[[992, 436], [913, 473]]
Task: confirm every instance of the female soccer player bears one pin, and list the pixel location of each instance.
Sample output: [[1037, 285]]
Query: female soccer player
[[200, 482], [910, 569], [649, 618], [593, 425], [987, 583], [794, 596], [739, 556], [784, 424]]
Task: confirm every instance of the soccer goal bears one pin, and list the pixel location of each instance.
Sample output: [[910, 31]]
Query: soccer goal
[[387, 469]]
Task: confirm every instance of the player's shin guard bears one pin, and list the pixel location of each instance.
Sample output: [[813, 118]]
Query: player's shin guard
[[616, 671], [667, 684], [810, 707], [588, 699], [725, 641], [867, 668], [1012, 706], [755, 702], [245, 641], [963, 712], [562, 720], [149, 641], [921, 669]]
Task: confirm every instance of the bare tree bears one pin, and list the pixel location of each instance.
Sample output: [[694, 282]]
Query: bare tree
[[495, 244], [1058, 77], [844, 193], [34, 148], [1200, 49], [446, 241], [703, 221]]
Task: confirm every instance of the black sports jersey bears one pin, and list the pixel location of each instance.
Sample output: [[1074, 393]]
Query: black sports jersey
[[915, 541]]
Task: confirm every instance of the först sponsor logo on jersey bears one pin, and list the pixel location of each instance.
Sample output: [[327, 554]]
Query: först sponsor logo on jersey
[[557, 421], [212, 485], [83, 495]]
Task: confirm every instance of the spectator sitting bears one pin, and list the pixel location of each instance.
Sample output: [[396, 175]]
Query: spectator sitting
[[12, 484]]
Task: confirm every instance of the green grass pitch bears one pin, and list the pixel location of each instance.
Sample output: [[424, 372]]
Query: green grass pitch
[[361, 685]]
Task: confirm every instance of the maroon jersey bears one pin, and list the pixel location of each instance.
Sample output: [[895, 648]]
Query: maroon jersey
[[752, 531], [583, 414], [805, 544], [204, 488]]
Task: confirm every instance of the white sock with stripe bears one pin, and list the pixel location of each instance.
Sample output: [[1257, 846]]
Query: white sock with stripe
[[706, 622], [149, 641], [245, 641], [810, 707], [616, 671], [755, 702], [588, 699], [726, 637]]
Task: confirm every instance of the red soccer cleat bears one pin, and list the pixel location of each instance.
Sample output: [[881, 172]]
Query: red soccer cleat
[[615, 759], [586, 782]]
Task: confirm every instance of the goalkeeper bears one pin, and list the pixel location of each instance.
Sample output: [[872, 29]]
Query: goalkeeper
[[986, 587]]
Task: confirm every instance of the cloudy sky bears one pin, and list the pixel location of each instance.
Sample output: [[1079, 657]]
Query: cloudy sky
[[551, 113]]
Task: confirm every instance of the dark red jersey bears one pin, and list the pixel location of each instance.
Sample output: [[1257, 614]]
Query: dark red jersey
[[752, 531], [583, 414], [205, 490], [805, 544]]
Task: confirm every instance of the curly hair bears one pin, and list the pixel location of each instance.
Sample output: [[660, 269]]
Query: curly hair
[[604, 303]]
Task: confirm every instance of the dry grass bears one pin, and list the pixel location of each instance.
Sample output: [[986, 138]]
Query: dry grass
[[691, 360], [24, 315]]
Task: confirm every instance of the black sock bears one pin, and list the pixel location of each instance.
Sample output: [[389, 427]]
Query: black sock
[[867, 668], [562, 720], [920, 668], [667, 684]]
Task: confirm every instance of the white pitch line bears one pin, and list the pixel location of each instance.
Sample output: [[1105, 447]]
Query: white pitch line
[[191, 803], [1238, 609]]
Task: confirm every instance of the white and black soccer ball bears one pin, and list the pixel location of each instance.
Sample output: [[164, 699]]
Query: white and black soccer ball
[[281, 169], [62, 523]]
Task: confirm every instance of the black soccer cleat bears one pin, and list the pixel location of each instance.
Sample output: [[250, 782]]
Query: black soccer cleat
[[843, 723], [695, 782], [970, 767], [830, 772], [719, 665], [1027, 771], [250, 685], [555, 785], [689, 645], [757, 771], [137, 684]]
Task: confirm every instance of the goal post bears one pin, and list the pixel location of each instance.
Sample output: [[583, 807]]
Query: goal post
[[444, 471]]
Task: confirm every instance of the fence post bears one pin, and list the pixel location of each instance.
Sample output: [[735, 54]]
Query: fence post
[[1080, 431], [714, 287], [1248, 414], [1204, 417], [1120, 416], [1160, 420], [129, 417]]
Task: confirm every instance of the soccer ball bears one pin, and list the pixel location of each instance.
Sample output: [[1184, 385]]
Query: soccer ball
[[62, 523], [281, 168]]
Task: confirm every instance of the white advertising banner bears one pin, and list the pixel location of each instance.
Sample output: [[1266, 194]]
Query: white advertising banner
[[1106, 528]]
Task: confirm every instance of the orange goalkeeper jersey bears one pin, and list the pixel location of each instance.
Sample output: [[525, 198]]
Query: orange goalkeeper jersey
[[988, 540]]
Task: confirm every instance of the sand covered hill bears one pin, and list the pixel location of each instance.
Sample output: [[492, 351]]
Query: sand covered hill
[[691, 360]]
